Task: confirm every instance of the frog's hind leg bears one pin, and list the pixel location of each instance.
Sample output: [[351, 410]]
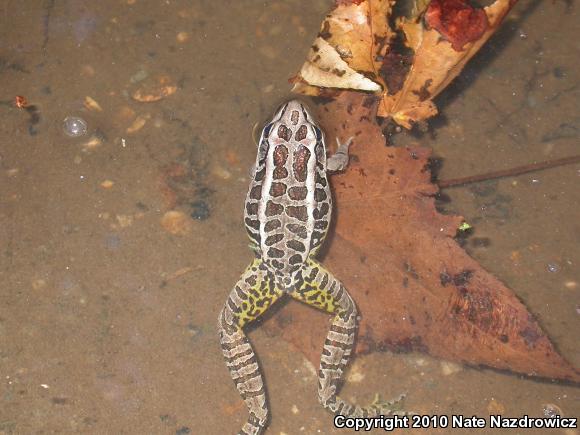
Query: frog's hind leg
[[250, 298], [322, 290]]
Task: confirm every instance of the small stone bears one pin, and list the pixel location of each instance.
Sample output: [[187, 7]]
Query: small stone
[[107, 184], [139, 76], [124, 220], [182, 37], [449, 368], [91, 104], [38, 284], [93, 142], [494, 407], [176, 223], [571, 285], [355, 373], [221, 172], [138, 123], [551, 411], [295, 409]]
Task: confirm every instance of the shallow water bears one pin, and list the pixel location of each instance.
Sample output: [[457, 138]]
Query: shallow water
[[107, 321]]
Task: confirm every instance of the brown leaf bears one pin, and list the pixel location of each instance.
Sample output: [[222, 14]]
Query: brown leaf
[[406, 60], [415, 287]]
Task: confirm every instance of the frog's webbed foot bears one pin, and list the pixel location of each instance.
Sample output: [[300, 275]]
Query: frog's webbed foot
[[389, 407], [339, 161], [322, 290]]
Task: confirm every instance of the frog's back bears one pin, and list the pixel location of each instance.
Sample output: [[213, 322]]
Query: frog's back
[[288, 206]]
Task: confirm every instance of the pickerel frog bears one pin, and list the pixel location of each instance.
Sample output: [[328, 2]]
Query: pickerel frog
[[287, 214]]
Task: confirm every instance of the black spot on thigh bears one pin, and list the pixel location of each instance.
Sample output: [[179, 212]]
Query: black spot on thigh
[[298, 212], [297, 193]]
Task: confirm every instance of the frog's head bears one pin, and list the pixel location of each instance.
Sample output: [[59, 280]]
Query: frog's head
[[293, 127], [292, 122]]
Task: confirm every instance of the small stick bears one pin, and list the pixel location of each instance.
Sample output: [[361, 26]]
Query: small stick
[[443, 184]]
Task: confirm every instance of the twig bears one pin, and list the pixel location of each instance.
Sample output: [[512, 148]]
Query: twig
[[508, 172]]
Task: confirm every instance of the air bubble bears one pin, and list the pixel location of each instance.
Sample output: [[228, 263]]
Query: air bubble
[[73, 126]]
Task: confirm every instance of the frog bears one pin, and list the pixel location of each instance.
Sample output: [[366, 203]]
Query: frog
[[287, 214]]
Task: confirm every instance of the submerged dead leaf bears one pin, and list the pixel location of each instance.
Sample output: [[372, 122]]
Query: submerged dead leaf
[[415, 287], [405, 59]]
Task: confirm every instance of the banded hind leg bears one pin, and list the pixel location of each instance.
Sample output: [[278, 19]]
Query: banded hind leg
[[322, 290], [250, 298]]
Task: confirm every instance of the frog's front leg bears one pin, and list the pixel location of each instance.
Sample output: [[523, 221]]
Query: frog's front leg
[[339, 160], [322, 290], [250, 298]]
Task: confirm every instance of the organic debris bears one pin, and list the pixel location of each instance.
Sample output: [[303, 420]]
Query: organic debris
[[406, 59], [416, 288], [152, 90]]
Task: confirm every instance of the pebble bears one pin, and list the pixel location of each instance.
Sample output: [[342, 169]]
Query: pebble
[[553, 267], [176, 222], [73, 126], [494, 407], [182, 37], [449, 368], [550, 410], [221, 172]]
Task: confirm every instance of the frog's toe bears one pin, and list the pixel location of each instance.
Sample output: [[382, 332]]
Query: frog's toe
[[390, 407]]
